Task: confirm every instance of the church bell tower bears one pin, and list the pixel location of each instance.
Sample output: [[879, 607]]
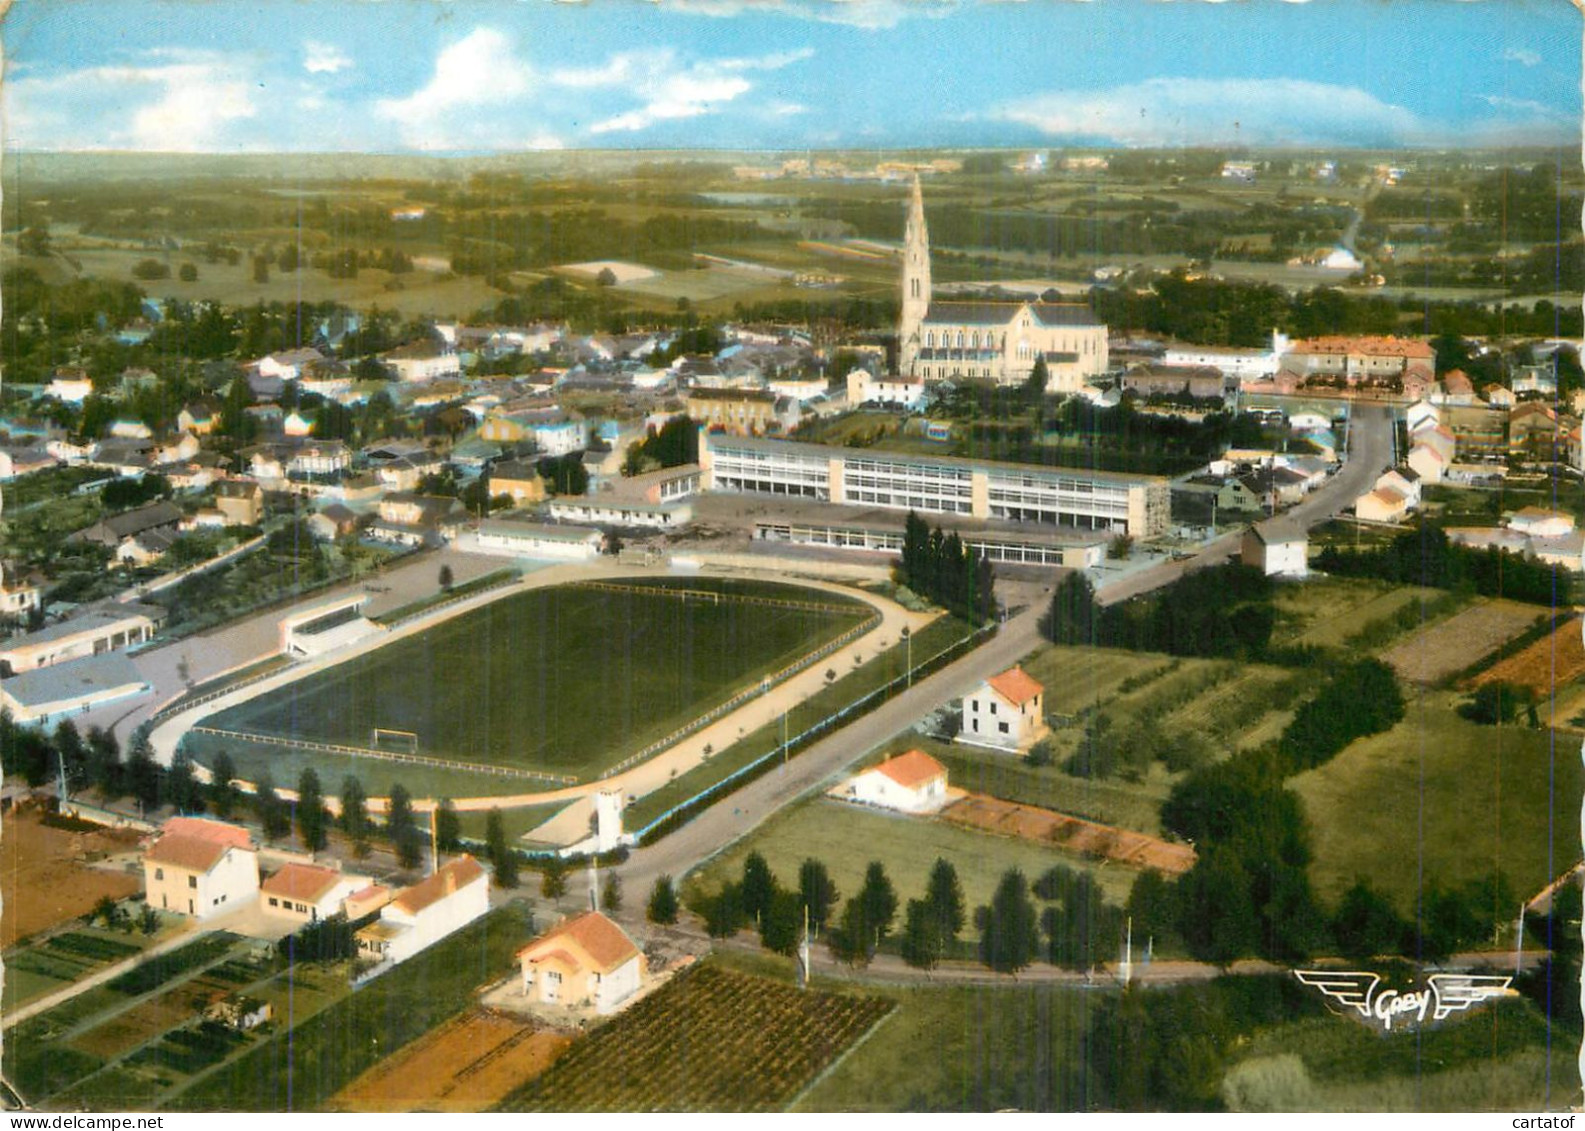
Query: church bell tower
[[916, 284]]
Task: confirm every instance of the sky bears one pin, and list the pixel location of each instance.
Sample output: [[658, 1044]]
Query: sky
[[483, 76]]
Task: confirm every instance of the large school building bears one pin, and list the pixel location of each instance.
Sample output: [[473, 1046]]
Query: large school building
[[1135, 505]]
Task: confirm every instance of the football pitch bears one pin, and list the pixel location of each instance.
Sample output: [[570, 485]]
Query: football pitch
[[568, 680]]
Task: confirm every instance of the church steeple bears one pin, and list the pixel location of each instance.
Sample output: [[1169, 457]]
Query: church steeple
[[915, 282]]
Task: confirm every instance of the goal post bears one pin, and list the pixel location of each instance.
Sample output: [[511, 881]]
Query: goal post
[[404, 740]]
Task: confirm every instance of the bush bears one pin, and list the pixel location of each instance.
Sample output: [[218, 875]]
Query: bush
[[151, 269]]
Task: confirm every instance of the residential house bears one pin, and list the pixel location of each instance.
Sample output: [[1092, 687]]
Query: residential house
[[1539, 522], [519, 479], [1005, 712], [297, 424], [417, 520], [1499, 396], [1360, 360], [1534, 431], [740, 412], [1406, 483], [1457, 388], [111, 532], [407, 472], [1382, 504], [288, 365], [910, 783], [19, 596], [1278, 548], [423, 360], [419, 916], [239, 1012], [586, 962], [333, 522], [1427, 462], [71, 385], [201, 868], [320, 458], [177, 449], [1201, 382], [147, 548], [240, 502], [307, 893], [863, 387], [19, 461], [1418, 414]]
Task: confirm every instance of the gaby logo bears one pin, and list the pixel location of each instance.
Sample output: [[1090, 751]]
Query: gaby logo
[[1443, 994]]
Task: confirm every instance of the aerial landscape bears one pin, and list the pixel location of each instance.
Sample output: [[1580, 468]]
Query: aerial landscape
[[791, 556]]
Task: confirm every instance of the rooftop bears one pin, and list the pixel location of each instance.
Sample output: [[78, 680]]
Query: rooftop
[[912, 770], [1016, 685], [606, 944]]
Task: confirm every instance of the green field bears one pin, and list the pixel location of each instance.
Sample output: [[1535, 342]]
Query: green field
[[1447, 799], [1326, 611], [568, 680], [847, 837]]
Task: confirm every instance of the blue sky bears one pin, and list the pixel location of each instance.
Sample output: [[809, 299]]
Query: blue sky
[[500, 75]]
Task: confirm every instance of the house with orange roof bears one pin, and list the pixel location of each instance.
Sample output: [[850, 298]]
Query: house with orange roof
[[1005, 712], [308, 893], [910, 783], [586, 962], [1382, 504], [419, 916], [201, 868]]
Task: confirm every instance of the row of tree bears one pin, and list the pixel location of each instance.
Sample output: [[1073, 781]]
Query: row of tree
[[1221, 611], [941, 568], [1425, 556]]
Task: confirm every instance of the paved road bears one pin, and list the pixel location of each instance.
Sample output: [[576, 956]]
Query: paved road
[[1370, 452]]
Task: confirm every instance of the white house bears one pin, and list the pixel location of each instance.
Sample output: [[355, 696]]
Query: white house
[[1539, 522], [288, 365], [902, 392], [1382, 504], [1419, 414], [307, 893], [1277, 549], [419, 916], [1406, 484], [1428, 463], [1005, 712], [201, 868], [911, 783], [586, 962], [72, 386], [423, 360]]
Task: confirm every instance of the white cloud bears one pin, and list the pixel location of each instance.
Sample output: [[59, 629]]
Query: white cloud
[[672, 89], [171, 107], [786, 109], [869, 15], [1188, 111], [479, 71], [324, 58], [1522, 56]]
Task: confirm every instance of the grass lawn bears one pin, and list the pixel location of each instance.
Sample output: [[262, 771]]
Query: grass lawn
[[847, 837], [937, 636], [301, 1066], [1325, 611], [1446, 796], [523, 680], [967, 1048]]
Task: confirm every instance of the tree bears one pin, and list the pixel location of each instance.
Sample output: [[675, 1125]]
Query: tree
[[852, 940], [149, 269], [781, 927], [662, 902], [944, 898], [148, 920], [104, 762], [606, 277], [611, 897], [445, 578], [223, 792], [878, 900], [502, 859], [448, 826], [817, 892], [758, 886], [922, 942], [311, 817], [287, 260], [261, 270], [143, 773], [188, 273], [402, 829], [1010, 933], [354, 819], [1366, 924], [553, 880], [1074, 615], [1216, 917], [272, 814], [724, 914], [181, 787], [1039, 377], [1498, 703], [71, 752]]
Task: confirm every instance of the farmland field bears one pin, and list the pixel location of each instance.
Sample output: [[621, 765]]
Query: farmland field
[[45, 878], [847, 837], [1454, 644], [1326, 611], [468, 1064], [712, 1040], [1554, 660], [519, 681], [1446, 797]]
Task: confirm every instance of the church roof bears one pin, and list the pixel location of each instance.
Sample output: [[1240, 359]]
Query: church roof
[[1002, 313]]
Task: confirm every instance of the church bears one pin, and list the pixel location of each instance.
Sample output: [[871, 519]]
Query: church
[[999, 341]]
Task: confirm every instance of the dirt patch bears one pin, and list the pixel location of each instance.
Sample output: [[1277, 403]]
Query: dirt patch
[[468, 1064], [138, 1025], [1550, 662], [1075, 834], [1453, 645], [45, 876]]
